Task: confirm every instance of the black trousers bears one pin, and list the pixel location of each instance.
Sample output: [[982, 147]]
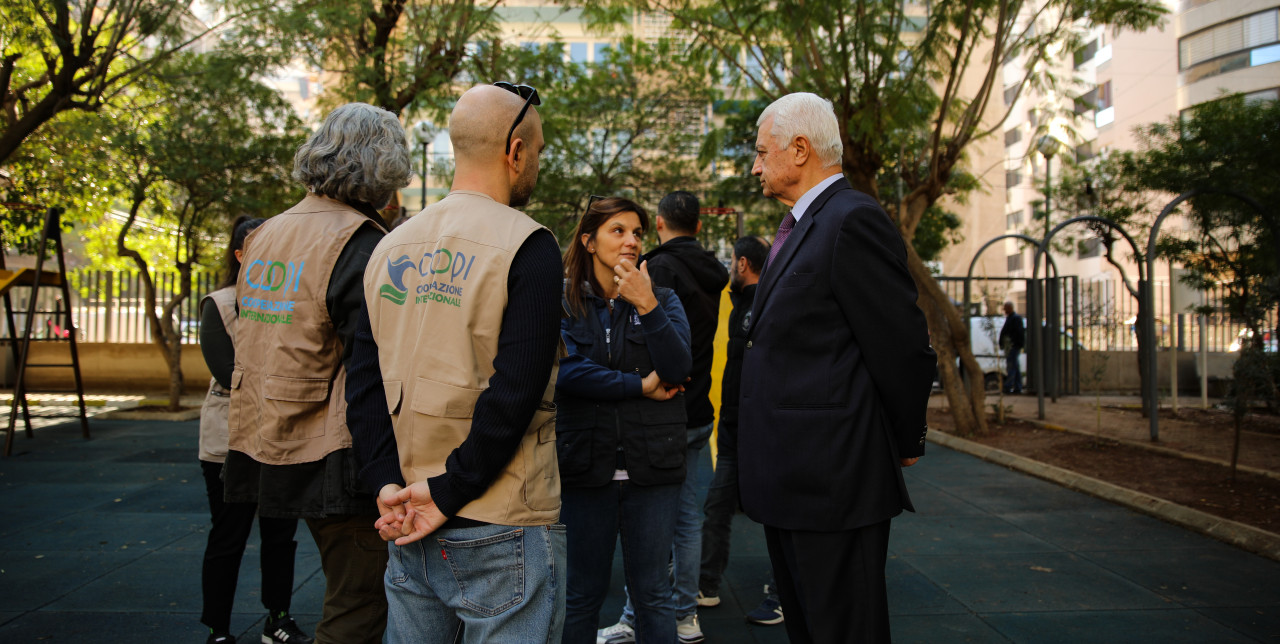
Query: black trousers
[[354, 559], [227, 539], [831, 584]]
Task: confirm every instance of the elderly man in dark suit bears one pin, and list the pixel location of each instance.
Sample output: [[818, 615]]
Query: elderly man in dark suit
[[835, 382]]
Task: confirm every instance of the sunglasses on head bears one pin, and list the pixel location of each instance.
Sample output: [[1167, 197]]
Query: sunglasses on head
[[530, 96]]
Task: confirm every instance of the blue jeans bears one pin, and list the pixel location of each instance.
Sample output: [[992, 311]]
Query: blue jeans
[[686, 545], [1013, 372], [494, 583], [645, 517]]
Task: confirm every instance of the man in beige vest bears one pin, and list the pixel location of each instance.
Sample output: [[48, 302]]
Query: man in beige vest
[[463, 308], [299, 295]]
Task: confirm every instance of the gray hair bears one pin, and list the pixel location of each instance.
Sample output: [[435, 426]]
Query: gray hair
[[810, 116], [359, 154]]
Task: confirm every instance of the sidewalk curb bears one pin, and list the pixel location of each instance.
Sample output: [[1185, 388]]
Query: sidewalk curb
[[1237, 534], [1159, 449]]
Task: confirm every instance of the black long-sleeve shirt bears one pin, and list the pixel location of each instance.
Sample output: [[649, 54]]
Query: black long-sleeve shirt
[[522, 367]]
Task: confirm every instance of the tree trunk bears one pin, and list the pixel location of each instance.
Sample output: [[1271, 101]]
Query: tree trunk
[[163, 334], [950, 340]]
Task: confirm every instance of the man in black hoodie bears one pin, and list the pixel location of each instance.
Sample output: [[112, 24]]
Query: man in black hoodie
[[698, 278]]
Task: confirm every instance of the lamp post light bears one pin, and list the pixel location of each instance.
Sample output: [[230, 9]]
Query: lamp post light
[[1048, 145], [424, 133]]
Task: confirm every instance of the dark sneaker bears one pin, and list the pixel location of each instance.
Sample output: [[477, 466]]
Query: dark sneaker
[[283, 630], [708, 600], [769, 612], [220, 638]]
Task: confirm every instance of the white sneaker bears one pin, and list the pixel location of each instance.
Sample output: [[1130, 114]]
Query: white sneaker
[[707, 601], [688, 630], [619, 633]]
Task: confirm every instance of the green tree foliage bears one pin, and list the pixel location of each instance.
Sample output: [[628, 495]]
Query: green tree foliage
[[206, 143], [60, 56], [390, 53], [1227, 145], [913, 87], [630, 125]]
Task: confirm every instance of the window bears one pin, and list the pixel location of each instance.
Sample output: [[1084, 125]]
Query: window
[[1014, 262], [1089, 248], [1087, 102], [1010, 94], [1084, 152], [1104, 96], [578, 52], [1086, 53], [1106, 114], [1013, 220], [601, 53], [1229, 37], [1012, 178], [1012, 136]]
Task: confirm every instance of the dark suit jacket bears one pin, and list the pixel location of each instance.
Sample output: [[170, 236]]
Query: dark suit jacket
[[836, 375]]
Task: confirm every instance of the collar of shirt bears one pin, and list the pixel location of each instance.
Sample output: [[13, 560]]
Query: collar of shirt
[[803, 203]]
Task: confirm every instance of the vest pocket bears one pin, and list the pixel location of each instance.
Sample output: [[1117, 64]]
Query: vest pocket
[[237, 401], [541, 471], [443, 400], [664, 432], [573, 449], [298, 407]]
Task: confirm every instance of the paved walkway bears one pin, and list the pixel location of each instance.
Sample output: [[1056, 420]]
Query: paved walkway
[[101, 540]]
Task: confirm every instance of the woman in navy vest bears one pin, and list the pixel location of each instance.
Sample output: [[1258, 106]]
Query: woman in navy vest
[[620, 428]]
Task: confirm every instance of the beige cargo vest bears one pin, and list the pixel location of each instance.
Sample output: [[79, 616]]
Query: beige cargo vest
[[436, 288], [213, 414], [287, 403]]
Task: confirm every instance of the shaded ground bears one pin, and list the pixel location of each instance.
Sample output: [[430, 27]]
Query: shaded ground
[[1188, 465]]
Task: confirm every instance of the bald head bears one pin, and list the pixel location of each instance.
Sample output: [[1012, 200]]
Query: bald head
[[478, 128], [480, 121]]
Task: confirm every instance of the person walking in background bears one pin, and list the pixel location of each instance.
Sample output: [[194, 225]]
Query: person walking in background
[[299, 299], [749, 254], [621, 429], [232, 522], [458, 341], [1013, 337], [835, 382], [681, 264]]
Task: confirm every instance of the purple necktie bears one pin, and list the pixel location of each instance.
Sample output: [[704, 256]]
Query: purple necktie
[[784, 231]]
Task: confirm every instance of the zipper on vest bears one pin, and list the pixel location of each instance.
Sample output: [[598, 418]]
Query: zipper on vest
[[608, 335]]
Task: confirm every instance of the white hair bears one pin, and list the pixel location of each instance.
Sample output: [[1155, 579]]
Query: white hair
[[359, 154], [810, 116]]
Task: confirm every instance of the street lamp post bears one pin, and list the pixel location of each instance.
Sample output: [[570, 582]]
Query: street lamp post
[[424, 132], [1048, 145]]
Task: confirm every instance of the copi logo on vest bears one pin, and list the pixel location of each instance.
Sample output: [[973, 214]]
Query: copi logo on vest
[[441, 261], [272, 277]]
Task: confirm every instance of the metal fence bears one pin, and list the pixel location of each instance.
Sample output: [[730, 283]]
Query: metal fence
[[110, 306], [1108, 313]]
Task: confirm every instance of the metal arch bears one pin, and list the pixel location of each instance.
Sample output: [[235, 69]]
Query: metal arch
[[1149, 323], [1035, 272], [968, 277]]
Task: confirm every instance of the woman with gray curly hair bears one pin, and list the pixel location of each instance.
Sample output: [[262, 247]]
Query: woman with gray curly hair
[[299, 296]]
